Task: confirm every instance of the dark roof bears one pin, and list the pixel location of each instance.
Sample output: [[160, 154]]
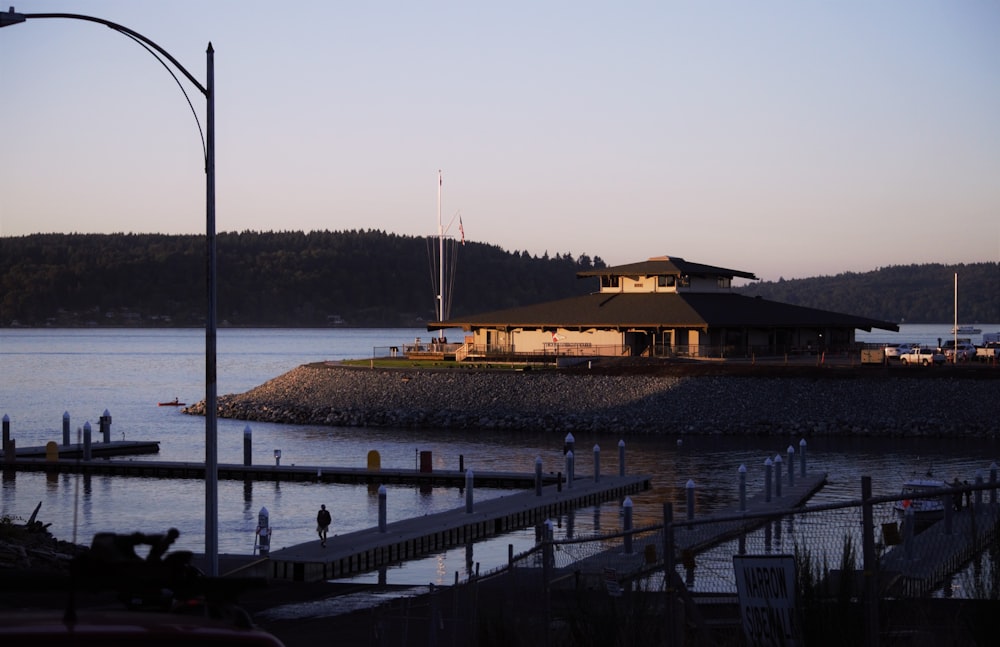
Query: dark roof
[[651, 310], [664, 266]]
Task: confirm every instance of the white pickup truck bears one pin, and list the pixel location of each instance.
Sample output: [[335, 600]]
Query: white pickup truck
[[989, 353], [922, 357]]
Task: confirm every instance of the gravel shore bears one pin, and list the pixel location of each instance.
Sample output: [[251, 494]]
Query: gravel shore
[[829, 402]]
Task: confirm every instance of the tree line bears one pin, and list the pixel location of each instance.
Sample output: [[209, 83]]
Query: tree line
[[373, 278]]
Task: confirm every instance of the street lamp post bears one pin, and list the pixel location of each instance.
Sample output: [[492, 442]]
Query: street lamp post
[[211, 422]]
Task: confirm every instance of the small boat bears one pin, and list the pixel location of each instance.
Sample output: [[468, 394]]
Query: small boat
[[173, 403], [924, 497], [966, 330]]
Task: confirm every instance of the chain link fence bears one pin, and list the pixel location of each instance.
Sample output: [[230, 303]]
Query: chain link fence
[[868, 571]]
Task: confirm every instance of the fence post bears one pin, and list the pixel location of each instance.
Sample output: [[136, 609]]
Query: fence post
[[569, 469], [870, 567], [743, 488], [689, 487], [948, 500], [621, 458], [777, 475], [669, 573], [993, 482], [791, 466], [768, 474], [627, 524], [468, 491], [802, 458], [597, 463]]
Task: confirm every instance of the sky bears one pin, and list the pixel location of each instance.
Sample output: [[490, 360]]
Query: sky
[[785, 138]]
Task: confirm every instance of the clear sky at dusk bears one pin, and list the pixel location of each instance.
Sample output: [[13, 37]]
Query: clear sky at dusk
[[789, 139]]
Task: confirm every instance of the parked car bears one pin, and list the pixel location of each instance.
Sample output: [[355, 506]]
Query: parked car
[[893, 352], [962, 351], [923, 357]]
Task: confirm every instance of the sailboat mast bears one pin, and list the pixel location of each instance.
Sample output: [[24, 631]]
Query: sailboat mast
[[441, 313], [954, 327]]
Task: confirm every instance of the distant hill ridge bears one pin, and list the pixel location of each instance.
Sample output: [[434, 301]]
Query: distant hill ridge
[[373, 278]]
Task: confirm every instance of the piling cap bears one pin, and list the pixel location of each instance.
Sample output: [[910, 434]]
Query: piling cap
[[791, 450], [246, 430], [627, 503], [6, 418], [690, 484], [569, 437], [65, 414], [802, 443], [621, 443], [743, 469], [597, 448], [768, 462], [777, 458]]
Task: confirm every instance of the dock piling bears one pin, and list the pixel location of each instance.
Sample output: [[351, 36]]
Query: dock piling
[[538, 476], [6, 432], [86, 441], [621, 458], [104, 424], [791, 466], [381, 508], [247, 446], [802, 458], [979, 483], [65, 428]]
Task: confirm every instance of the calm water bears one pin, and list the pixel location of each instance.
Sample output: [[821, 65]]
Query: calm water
[[84, 372]]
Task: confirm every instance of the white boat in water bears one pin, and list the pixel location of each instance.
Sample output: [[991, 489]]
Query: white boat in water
[[924, 497], [966, 330]]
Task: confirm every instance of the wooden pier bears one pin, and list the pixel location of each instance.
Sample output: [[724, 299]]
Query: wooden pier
[[368, 550], [933, 555]]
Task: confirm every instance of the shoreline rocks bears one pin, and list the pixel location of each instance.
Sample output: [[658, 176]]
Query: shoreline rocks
[[637, 404]]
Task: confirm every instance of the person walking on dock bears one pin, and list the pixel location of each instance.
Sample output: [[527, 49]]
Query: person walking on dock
[[323, 521]]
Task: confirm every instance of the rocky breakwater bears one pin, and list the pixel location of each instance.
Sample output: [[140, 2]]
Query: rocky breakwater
[[336, 395]]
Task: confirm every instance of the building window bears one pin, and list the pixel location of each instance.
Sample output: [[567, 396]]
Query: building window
[[725, 282], [665, 281], [685, 281], [609, 281]]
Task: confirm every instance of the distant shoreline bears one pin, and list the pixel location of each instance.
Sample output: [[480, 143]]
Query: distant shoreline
[[833, 402]]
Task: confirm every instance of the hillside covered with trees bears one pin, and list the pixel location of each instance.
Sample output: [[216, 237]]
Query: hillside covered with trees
[[287, 279], [902, 293], [372, 278]]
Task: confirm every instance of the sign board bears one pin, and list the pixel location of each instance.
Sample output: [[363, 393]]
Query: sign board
[[766, 587]]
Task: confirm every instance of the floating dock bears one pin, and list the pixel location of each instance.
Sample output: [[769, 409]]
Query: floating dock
[[76, 450], [258, 473], [705, 533], [916, 569], [368, 550]]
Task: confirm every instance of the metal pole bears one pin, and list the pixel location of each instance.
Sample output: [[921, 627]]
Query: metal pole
[[743, 488], [871, 576], [211, 412]]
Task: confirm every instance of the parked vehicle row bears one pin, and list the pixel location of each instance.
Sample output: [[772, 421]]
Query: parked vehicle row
[[950, 352]]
